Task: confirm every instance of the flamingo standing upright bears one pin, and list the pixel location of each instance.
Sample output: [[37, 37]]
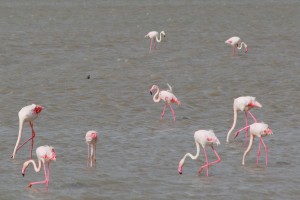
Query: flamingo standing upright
[[153, 35], [91, 139], [203, 138], [45, 155], [244, 103], [27, 114], [259, 130], [167, 96], [236, 43]]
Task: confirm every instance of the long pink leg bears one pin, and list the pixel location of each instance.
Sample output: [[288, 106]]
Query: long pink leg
[[266, 150], [252, 116], [238, 132], [258, 152], [154, 45], [163, 112], [150, 45], [40, 182], [207, 165], [214, 162], [32, 137], [89, 155], [247, 130], [173, 113]]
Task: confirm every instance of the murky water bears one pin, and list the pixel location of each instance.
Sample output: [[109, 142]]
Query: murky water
[[48, 48]]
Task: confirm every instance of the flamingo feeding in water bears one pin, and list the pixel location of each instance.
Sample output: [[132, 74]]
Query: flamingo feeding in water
[[236, 43], [153, 35], [167, 96], [27, 114], [259, 130], [244, 103], [45, 155], [91, 138], [203, 138]]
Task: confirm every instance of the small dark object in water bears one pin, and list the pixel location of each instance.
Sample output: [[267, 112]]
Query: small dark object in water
[[88, 76]]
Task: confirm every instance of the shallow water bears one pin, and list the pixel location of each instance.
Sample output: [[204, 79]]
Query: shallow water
[[48, 48]]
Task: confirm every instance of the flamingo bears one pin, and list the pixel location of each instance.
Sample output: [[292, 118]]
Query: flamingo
[[203, 138], [45, 155], [91, 138], [27, 114], [259, 130], [236, 43], [244, 103], [167, 96], [153, 35]]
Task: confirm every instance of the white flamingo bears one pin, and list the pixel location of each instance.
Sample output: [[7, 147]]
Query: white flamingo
[[45, 155], [203, 138], [244, 103], [27, 114], [153, 35], [167, 96], [236, 43], [259, 130], [91, 139]]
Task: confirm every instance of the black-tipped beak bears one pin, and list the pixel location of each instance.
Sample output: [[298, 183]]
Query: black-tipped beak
[[23, 174], [180, 173], [151, 92]]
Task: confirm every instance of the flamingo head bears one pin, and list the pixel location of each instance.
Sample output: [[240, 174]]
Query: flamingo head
[[154, 87], [38, 109], [255, 104], [163, 33], [246, 49], [180, 165], [268, 131]]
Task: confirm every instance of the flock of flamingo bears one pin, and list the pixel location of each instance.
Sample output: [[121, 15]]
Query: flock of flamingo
[[46, 154]]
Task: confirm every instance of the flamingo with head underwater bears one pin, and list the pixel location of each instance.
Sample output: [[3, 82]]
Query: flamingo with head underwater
[[45, 155], [153, 35], [243, 103], [259, 130], [167, 96], [236, 43], [203, 138], [91, 139], [27, 114]]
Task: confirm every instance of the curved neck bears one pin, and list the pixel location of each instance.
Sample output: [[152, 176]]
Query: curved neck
[[156, 99], [248, 149], [190, 155], [233, 124], [21, 124], [36, 168], [243, 43], [159, 39]]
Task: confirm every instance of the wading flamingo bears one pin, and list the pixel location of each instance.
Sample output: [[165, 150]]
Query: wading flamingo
[[45, 155], [244, 103], [167, 96], [203, 138], [153, 35], [259, 130], [27, 114], [91, 138], [236, 43]]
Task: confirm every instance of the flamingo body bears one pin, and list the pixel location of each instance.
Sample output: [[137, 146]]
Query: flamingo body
[[236, 43], [45, 155], [153, 36], [91, 139], [203, 138], [27, 114], [243, 103], [167, 96], [259, 130]]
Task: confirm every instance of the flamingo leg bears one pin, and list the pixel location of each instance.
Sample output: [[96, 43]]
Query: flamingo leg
[[151, 40], [94, 157], [211, 163], [32, 137], [173, 113], [88, 160], [41, 182], [266, 150], [252, 116], [154, 45], [258, 152], [247, 129], [163, 112]]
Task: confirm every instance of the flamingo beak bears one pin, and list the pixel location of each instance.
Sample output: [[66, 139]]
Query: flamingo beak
[[23, 174], [246, 50], [151, 92]]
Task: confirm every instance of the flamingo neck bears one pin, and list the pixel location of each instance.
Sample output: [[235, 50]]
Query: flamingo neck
[[233, 124], [156, 99], [241, 46], [248, 149], [190, 155], [36, 168], [158, 39], [21, 124]]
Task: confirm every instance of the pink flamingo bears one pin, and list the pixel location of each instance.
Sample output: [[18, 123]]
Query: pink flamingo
[[167, 96], [203, 138], [236, 43], [259, 130], [91, 138], [45, 155], [27, 114], [153, 35], [244, 103]]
